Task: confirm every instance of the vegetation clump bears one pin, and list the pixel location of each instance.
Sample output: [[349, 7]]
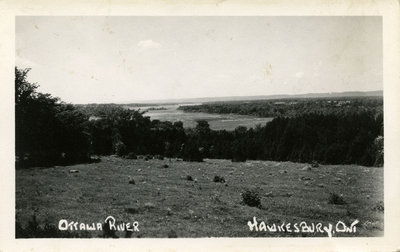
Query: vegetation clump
[[314, 164], [120, 149], [336, 199], [219, 179], [131, 155], [251, 197], [131, 180]]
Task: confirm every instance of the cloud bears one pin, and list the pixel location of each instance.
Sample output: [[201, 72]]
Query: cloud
[[299, 75], [147, 44]]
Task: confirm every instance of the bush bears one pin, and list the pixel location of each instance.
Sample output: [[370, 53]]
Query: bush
[[251, 198], [189, 178], [131, 155], [314, 164], [336, 199], [120, 149], [218, 179]]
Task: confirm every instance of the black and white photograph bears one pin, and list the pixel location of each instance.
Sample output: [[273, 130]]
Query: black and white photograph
[[199, 126]]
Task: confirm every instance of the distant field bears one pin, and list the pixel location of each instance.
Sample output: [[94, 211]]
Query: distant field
[[166, 204], [216, 121]]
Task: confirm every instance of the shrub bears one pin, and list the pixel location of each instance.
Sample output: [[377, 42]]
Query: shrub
[[131, 155], [314, 164], [189, 178], [120, 149], [251, 197], [218, 179], [336, 199]]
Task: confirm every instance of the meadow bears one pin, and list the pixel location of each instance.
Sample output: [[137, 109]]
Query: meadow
[[173, 198]]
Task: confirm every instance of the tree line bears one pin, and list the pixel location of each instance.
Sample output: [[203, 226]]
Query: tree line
[[290, 107], [50, 132]]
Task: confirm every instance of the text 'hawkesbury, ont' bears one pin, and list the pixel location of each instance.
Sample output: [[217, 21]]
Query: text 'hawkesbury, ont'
[[303, 227]]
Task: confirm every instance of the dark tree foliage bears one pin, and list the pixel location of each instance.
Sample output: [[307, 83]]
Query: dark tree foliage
[[291, 107], [192, 153], [333, 132], [330, 139], [114, 129], [47, 131]]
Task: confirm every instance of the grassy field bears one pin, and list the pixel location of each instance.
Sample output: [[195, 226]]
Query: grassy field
[[167, 204]]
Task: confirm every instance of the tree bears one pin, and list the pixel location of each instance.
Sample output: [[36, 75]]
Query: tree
[[47, 131], [192, 153]]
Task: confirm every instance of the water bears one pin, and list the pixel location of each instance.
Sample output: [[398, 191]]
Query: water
[[216, 121]]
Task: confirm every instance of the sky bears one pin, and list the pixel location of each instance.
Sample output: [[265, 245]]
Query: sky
[[131, 59]]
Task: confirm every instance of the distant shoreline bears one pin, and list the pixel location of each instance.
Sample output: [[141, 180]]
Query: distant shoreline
[[245, 98]]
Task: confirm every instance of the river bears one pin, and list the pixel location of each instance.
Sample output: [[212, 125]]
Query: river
[[216, 121]]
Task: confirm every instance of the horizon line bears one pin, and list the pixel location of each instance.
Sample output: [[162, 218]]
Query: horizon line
[[283, 96]]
